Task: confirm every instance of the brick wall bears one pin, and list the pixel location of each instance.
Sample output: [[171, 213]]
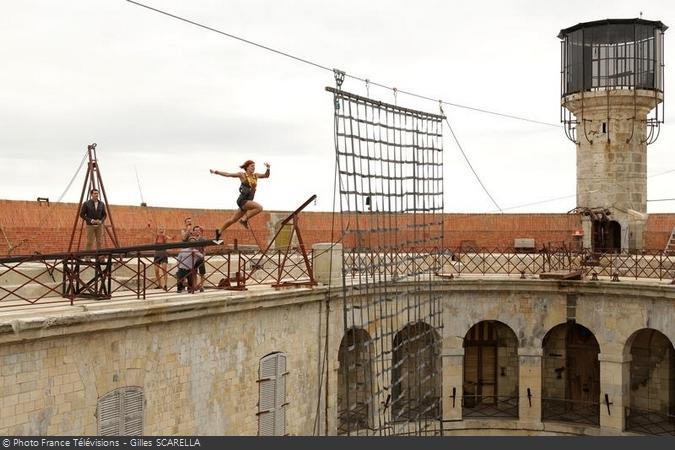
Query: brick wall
[[658, 229], [47, 229]]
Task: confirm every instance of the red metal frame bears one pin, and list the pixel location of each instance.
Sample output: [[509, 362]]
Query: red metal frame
[[294, 216], [92, 177]]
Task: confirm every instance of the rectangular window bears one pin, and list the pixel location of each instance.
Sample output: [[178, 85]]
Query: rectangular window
[[272, 395], [120, 412]]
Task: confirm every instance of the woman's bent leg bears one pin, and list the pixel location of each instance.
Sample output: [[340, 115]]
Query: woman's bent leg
[[251, 209], [238, 215]]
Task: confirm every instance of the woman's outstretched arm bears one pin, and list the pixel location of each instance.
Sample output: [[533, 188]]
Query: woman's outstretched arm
[[266, 174], [225, 174]]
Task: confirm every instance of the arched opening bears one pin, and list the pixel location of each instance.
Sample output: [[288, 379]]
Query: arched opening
[[570, 375], [606, 235], [651, 407], [614, 237], [490, 371], [416, 373], [355, 382]]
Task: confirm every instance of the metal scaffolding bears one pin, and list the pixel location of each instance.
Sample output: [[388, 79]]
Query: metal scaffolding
[[390, 182]]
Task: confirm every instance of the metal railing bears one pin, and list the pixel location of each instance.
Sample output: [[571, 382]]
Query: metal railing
[[650, 265], [123, 271], [393, 264], [129, 272], [572, 411], [44, 281], [649, 422], [49, 278], [487, 406]]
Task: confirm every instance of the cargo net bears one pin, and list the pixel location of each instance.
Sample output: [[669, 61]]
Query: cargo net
[[390, 183]]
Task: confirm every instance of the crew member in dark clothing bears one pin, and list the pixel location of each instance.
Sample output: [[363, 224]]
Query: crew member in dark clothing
[[93, 213], [249, 182]]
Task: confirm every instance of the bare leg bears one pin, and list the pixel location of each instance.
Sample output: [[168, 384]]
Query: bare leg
[[165, 273], [232, 220], [157, 275], [251, 209]]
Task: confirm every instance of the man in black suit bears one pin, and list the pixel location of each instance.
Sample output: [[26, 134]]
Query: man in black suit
[[93, 213]]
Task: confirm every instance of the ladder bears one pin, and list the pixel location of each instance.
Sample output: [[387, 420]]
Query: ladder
[[670, 246]]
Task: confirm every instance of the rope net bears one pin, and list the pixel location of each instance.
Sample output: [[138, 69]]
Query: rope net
[[390, 182]]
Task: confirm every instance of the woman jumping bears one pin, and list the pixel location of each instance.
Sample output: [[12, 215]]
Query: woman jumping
[[247, 207]]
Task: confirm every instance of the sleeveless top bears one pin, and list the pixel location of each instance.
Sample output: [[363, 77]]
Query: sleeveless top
[[251, 180]]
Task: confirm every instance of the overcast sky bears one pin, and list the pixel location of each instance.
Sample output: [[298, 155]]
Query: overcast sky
[[167, 100]]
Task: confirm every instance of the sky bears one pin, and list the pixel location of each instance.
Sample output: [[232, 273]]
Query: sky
[[166, 101]]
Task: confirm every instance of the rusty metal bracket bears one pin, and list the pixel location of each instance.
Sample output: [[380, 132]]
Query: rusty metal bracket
[[607, 402], [385, 404]]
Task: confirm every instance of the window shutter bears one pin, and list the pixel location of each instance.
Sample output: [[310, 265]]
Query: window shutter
[[109, 414], [266, 424], [133, 412], [120, 412], [266, 402], [271, 404], [280, 416]]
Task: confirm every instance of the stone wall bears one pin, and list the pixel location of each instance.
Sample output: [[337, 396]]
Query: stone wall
[[196, 356], [197, 361]]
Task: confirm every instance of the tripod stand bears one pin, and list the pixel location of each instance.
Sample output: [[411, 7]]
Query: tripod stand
[[92, 180]]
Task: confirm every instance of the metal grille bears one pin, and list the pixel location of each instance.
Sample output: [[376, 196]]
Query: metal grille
[[650, 422], [564, 410], [497, 406], [490, 387], [604, 55], [652, 384], [390, 184]]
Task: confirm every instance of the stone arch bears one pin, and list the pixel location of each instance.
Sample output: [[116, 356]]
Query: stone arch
[[570, 385], [467, 323], [651, 390], [490, 382], [355, 382], [416, 373]]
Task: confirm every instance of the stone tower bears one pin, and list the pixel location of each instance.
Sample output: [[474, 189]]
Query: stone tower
[[612, 107]]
